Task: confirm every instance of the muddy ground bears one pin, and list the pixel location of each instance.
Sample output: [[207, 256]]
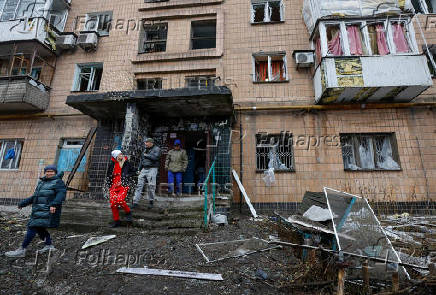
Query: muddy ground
[[93, 270]]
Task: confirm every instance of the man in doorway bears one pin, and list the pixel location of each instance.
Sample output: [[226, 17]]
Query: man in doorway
[[176, 163], [150, 161]]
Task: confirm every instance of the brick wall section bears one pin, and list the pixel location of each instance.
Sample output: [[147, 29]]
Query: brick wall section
[[322, 165]]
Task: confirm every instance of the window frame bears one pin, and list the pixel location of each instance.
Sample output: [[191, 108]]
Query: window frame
[[17, 155], [98, 15], [143, 37], [191, 43], [77, 73], [354, 139], [64, 145], [270, 55], [260, 143], [266, 7], [147, 80], [199, 79], [388, 25]]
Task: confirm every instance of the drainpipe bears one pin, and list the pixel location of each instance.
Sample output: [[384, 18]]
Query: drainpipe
[[241, 150], [338, 106]]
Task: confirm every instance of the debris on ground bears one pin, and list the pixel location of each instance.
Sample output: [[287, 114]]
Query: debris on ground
[[97, 240], [171, 273]]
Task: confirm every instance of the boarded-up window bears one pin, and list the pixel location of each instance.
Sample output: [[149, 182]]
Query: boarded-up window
[[68, 154]]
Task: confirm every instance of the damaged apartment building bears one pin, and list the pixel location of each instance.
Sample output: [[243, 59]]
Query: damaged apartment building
[[314, 93]]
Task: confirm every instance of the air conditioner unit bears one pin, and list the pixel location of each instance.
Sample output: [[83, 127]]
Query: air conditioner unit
[[304, 58], [66, 42], [87, 40]]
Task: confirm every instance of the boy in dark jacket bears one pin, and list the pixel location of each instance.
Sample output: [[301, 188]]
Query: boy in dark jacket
[[118, 180], [46, 210]]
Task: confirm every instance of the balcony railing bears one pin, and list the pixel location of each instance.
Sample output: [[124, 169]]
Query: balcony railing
[[21, 94], [361, 79]]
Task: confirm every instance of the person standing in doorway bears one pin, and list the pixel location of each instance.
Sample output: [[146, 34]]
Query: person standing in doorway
[[150, 161], [118, 181], [46, 210], [176, 163]]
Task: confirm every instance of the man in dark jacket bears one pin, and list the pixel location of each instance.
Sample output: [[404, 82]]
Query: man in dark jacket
[[150, 162], [46, 210]]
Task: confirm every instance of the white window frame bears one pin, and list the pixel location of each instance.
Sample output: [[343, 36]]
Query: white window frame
[[18, 148], [66, 145], [410, 36], [267, 10], [270, 55], [77, 73]]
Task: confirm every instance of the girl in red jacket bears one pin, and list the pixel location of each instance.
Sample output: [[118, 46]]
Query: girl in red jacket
[[118, 180]]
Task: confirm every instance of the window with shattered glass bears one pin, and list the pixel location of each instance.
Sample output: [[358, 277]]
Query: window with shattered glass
[[10, 153], [153, 38], [263, 11], [88, 77], [269, 67], [358, 231], [373, 151], [149, 83], [274, 151]]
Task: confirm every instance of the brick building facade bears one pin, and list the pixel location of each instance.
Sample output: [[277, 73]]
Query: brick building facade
[[205, 70]]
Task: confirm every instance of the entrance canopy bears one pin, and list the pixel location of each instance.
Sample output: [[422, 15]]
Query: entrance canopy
[[180, 102]]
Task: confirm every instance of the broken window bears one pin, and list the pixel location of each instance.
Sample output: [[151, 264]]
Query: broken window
[[99, 21], [154, 38], [10, 153], [88, 77], [149, 83], [200, 81], [263, 11], [431, 59], [369, 152], [270, 67], [21, 64], [274, 151], [203, 34]]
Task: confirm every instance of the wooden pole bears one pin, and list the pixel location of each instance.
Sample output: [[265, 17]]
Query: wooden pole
[[395, 282], [341, 281], [365, 275]]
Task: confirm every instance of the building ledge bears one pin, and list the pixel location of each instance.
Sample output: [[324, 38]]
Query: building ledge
[[187, 55], [149, 5], [178, 102]]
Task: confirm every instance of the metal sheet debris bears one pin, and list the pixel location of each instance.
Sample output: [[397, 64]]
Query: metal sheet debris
[[97, 240], [171, 273], [244, 193]]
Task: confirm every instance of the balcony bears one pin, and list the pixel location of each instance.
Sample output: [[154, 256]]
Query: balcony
[[371, 79], [34, 29], [22, 94]]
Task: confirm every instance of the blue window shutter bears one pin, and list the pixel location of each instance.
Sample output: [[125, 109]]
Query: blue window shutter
[[66, 160]]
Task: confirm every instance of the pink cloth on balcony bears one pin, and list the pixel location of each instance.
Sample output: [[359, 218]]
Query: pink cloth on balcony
[[354, 40], [334, 44], [399, 39], [318, 50], [381, 40]]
